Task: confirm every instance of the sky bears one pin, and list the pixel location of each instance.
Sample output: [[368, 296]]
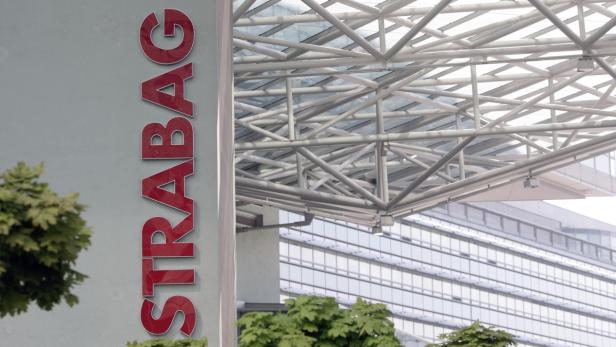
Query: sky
[[601, 208]]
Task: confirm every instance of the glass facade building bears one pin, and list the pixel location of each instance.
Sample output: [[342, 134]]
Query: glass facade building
[[445, 268]]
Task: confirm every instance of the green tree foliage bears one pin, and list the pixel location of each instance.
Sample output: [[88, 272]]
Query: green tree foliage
[[169, 343], [313, 321], [41, 235], [476, 335]]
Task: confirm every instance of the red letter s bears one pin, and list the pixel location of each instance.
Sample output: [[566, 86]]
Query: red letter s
[[172, 306]]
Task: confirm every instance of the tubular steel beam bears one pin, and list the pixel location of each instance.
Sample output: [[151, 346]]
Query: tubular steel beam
[[332, 171], [323, 12], [437, 134], [604, 143], [416, 29], [404, 12], [373, 110]]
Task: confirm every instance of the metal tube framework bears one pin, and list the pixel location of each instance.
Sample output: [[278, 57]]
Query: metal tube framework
[[393, 108]]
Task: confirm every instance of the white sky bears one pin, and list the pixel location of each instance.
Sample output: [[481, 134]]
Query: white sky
[[600, 208]]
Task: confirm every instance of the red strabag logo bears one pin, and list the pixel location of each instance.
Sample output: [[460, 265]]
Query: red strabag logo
[[160, 142]]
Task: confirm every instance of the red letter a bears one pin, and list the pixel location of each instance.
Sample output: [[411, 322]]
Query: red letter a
[[151, 90], [151, 187]]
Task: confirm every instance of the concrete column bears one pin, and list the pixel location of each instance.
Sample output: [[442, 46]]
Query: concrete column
[[258, 269]]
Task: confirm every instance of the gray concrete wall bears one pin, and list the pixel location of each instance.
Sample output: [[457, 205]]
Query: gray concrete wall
[[258, 265]]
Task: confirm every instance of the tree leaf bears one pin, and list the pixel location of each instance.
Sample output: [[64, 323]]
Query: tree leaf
[[313, 321], [41, 236]]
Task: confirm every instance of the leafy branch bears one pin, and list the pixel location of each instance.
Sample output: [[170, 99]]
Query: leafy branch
[[476, 335], [313, 321], [41, 236]]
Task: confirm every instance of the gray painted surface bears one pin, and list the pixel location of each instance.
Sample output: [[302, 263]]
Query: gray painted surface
[[258, 270], [71, 72]]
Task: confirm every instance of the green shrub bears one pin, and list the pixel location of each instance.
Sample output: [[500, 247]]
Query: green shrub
[[169, 343], [41, 236], [319, 322], [476, 335]]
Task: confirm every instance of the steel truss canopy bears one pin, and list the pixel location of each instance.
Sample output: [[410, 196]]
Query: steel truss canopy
[[364, 109]]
